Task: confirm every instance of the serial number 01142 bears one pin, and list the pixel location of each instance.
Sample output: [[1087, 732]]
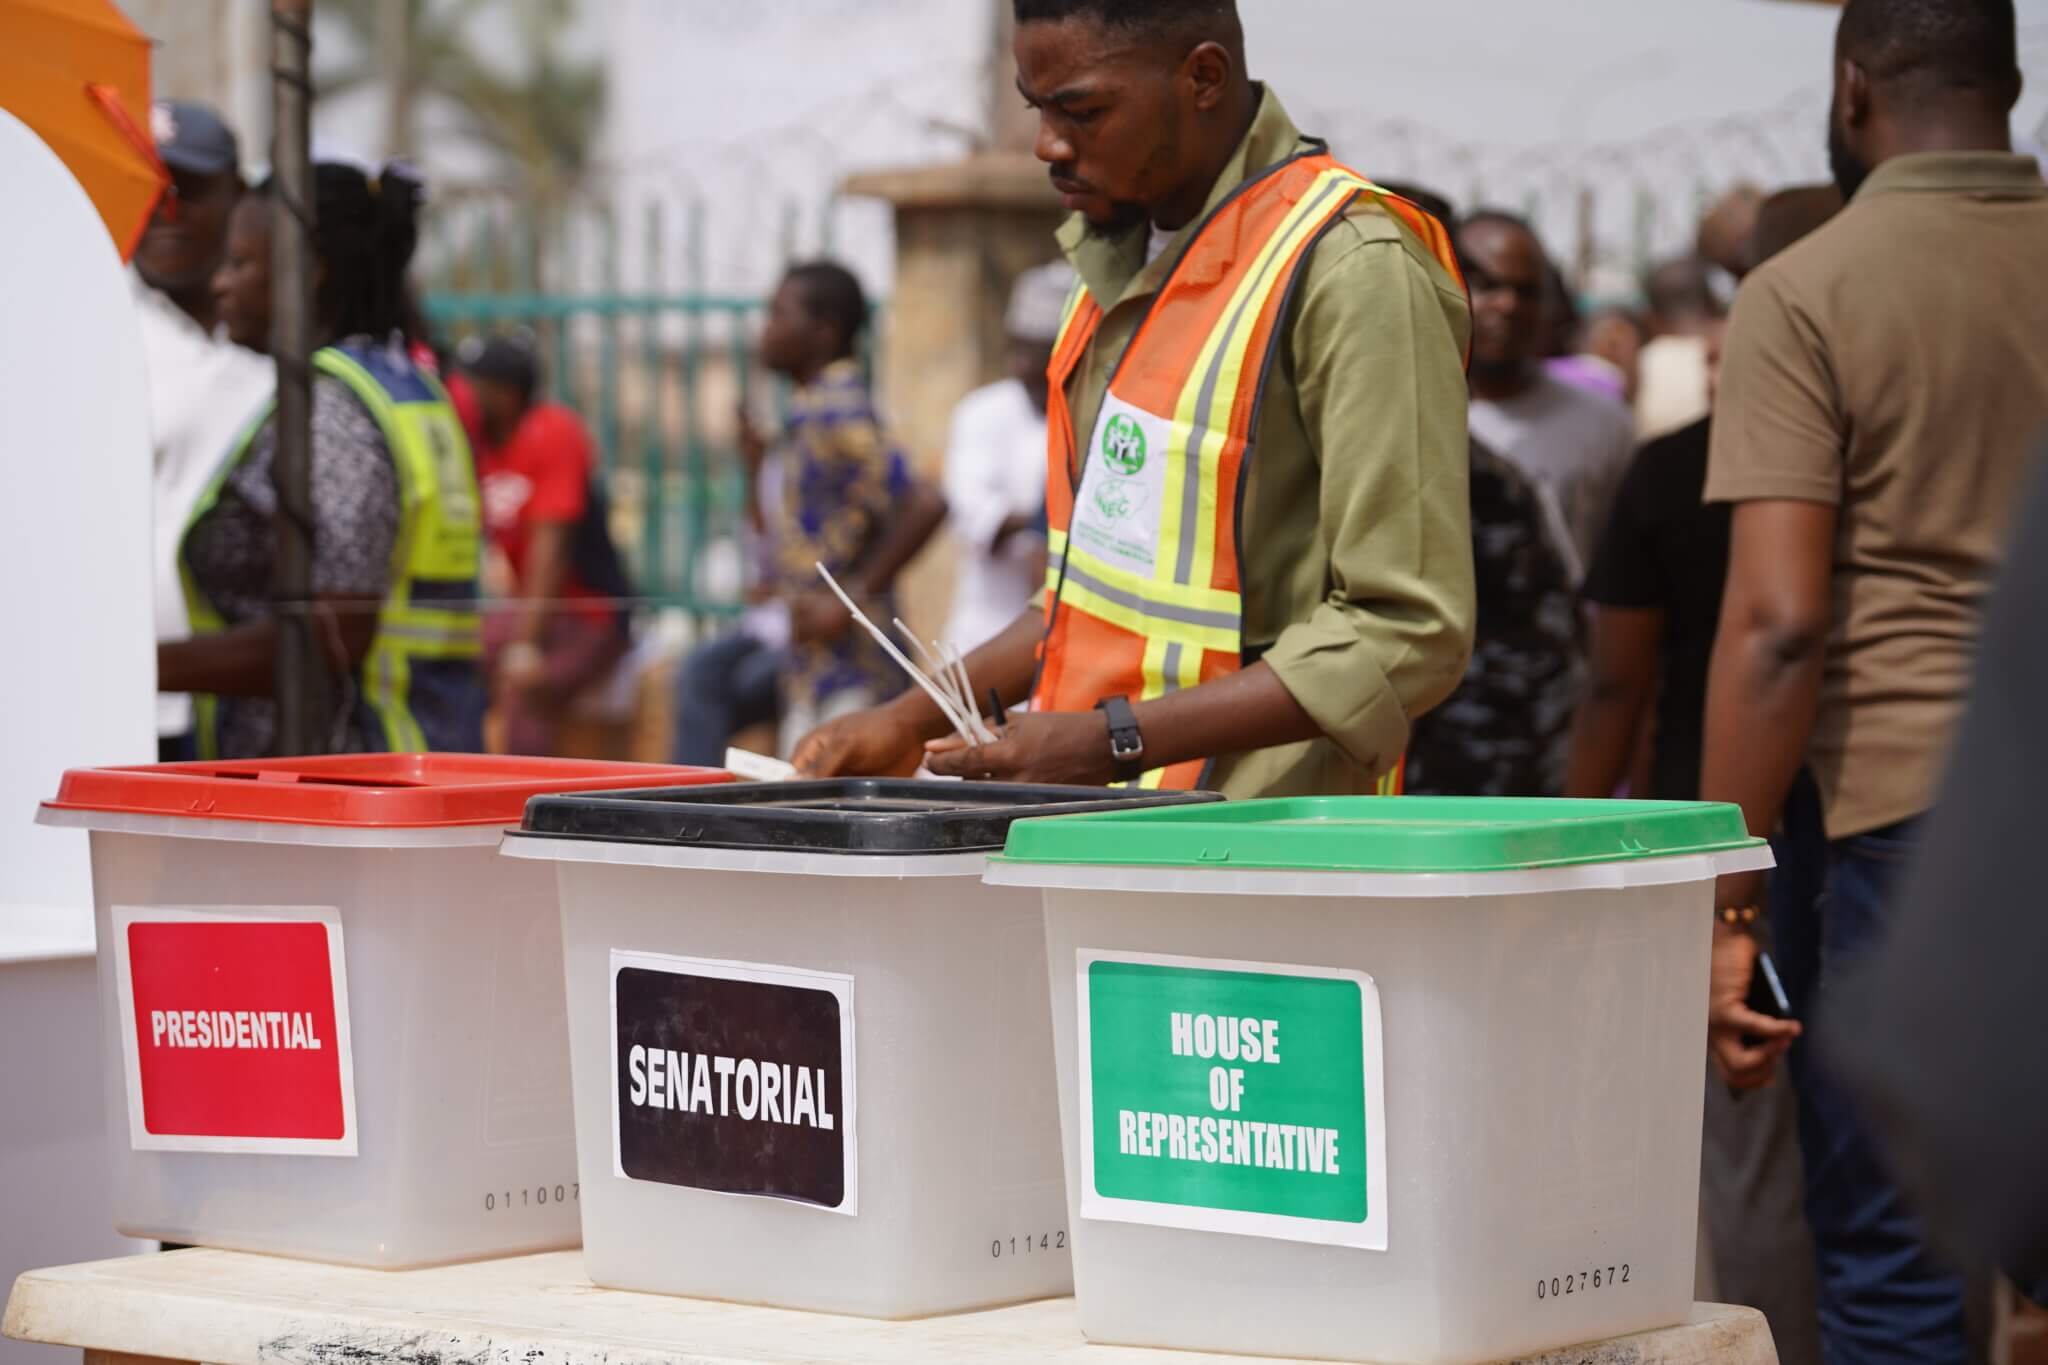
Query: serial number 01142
[[1029, 1244], [1583, 1281]]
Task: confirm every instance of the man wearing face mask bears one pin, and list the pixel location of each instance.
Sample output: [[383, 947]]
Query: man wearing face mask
[[1261, 558], [1882, 388]]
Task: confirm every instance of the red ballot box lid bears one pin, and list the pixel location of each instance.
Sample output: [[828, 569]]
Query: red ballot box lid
[[381, 791]]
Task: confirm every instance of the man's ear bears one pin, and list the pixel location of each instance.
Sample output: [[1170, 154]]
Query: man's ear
[[1208, 70], [1852, 94]]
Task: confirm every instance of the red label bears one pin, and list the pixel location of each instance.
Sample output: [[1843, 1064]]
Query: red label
[[235, 1032]]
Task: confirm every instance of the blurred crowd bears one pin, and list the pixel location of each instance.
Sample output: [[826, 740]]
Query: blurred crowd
[[1687, 584]]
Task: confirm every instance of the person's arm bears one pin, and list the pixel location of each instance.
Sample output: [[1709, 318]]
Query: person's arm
[[753, 448], [522, 662], [888, 740], [1762, 693], [242, 662], [1626, 593], [1777, 453], [1764, 685], [911, 515], [1627, 642], [557, 504], [356, 509], [1248, 709], [917, 515], [548, 548], [1378, 360], [918, 512]]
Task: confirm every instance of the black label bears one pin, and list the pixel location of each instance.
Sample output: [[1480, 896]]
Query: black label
[[732, 1085]]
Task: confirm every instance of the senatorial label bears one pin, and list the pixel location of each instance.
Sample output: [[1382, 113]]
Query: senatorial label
[[734, 1077]]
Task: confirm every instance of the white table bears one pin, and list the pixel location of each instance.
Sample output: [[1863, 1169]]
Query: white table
[[225, 1308]]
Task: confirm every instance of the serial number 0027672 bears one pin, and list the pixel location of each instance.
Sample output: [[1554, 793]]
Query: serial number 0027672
[[535, 1196], [1582, 1281]]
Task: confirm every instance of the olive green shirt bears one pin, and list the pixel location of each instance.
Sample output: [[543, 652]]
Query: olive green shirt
[[1356, 533]]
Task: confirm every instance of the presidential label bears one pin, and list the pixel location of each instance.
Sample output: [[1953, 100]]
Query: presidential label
[[1232, 1097], [1123, 487], [734, 1077], [234, 1029]]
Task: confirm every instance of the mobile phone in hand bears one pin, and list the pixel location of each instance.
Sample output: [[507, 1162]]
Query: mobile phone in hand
[[1766, 994], [1766, 991]]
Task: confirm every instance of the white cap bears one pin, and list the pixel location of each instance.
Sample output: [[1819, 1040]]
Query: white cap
[[1037, 302]]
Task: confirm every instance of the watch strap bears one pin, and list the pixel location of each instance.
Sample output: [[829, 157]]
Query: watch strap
[[1126, 742]]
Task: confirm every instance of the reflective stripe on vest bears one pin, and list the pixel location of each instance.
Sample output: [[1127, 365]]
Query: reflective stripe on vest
[[1144, 593], [439, 543]]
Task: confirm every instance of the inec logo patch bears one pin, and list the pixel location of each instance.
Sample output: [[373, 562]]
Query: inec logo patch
[[1123, 444], [1117, 507], [1118, 499]]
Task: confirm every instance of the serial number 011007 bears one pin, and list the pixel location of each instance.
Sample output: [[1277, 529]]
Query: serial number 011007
[[1582, 1281], [536, 1196]]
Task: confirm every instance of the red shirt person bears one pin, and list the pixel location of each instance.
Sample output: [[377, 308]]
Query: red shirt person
[[564, 627]]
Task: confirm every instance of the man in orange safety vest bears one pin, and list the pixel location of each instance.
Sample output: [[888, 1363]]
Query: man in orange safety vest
[[1260, 548]]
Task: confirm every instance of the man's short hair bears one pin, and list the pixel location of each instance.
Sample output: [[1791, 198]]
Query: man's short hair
[[832, 295], [1936, 45], [1681, 287], [1499, 218], [1212, 19]]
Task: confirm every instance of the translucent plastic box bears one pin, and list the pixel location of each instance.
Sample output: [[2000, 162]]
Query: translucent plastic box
[[1412, 1081], [332, 1016], [813, 1061]]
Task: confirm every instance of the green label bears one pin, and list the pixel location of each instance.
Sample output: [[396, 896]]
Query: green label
[[1123, 444], [1234, 1097]]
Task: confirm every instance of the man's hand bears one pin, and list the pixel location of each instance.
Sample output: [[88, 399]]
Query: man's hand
[[1745, 1045], [882, 742], [1061, 748], [819, 618]]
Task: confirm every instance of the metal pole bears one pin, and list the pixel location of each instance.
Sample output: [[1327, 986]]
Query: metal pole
[[304, 694]]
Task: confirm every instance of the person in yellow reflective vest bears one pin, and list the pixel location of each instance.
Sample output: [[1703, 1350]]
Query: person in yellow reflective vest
[[396, 527], [1260, 543]]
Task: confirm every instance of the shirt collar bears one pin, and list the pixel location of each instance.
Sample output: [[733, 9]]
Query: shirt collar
[[1114, 268], [1997, 174]]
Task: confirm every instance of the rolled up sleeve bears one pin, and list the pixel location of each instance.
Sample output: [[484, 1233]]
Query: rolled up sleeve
[[1378, 346]]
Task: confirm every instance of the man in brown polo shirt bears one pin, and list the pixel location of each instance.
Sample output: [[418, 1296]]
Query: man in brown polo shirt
[[1882, 388]]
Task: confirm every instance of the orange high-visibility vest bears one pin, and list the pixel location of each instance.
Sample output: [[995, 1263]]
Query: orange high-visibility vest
[[1144, 595]]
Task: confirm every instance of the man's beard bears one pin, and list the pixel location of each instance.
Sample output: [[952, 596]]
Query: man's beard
[[1849, 170], [1124, 218]]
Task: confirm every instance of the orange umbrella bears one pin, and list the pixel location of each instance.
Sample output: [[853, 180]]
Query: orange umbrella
[[77, 72]]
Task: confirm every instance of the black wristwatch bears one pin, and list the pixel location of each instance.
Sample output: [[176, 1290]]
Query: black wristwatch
[[1126, 744]]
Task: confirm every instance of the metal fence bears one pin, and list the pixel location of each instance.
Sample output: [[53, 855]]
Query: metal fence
[[657, 371]]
